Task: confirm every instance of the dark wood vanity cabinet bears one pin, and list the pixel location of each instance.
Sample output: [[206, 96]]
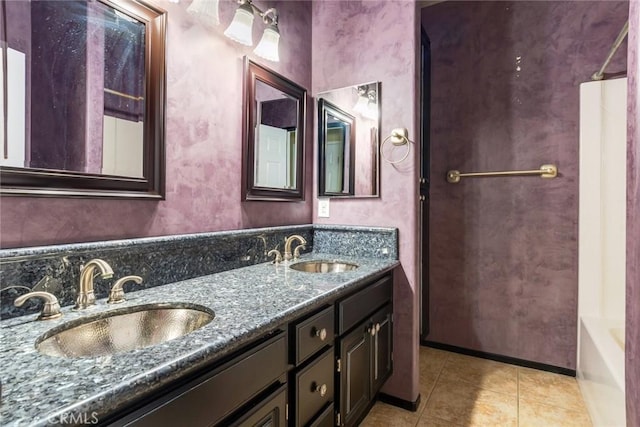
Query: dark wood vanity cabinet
[[323, 369], [366, 350], [215, 397]]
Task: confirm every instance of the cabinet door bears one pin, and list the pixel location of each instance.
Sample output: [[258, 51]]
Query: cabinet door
[[355, 374], [381, 348]]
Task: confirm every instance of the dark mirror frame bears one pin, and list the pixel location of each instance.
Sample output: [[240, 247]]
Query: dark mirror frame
[[325, 109], [54, 183], [250, 192]]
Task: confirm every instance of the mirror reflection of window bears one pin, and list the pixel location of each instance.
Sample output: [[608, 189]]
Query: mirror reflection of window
[[276, 136], [13, 63]]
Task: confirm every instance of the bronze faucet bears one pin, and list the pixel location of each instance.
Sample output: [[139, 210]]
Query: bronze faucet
[[116, 295], [51, 309], [86, 296], [289, 242]]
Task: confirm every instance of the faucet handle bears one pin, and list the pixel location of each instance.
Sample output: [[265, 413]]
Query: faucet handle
[[51, 309], [278, 258], [296, 251], [117, 293]]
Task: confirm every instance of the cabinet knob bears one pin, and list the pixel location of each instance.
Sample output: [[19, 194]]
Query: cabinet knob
[[321, 333], [372, 330], [322, 389], [377, 327]]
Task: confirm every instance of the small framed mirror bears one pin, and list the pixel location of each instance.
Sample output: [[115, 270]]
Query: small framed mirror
[[83, 99], [273, 135], [348, 141]]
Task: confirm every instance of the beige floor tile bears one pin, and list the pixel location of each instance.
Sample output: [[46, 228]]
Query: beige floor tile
[[549, 388], [460, 403], [432, 359], [427, 421], [483, 373], [534, 414], [427, 382], [383, 415]]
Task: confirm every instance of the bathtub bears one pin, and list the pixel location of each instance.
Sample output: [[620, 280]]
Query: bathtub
[[600, 370]]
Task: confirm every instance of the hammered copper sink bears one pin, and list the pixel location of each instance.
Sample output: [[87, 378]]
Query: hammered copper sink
[[315, 266], [123, 330]]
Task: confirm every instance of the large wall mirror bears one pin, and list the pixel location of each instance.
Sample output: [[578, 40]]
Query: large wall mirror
[[83, 98], [348, 141], [273, 134]]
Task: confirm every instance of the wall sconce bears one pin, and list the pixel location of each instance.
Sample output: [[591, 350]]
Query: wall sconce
[[367, 104], [240, 29], [207, 9]]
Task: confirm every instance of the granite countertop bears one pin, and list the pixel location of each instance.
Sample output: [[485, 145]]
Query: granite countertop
[[248, 302]]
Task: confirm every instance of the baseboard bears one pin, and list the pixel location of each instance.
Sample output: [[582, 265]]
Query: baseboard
[[400, 403], [500, 358]]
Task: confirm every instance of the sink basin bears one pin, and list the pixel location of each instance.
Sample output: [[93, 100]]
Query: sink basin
[[323, 266], [123, 330]]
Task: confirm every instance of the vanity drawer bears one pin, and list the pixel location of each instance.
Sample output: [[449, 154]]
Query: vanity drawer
[[212, 397], [314, 388], [354, 309], [313, 334], [271, 412]]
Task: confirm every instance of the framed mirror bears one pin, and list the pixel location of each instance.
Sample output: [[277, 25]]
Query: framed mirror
[[348, 141], [83, 99], [273, 135]]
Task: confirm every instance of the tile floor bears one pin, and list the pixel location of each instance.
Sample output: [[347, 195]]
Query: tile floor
[[459, 390]]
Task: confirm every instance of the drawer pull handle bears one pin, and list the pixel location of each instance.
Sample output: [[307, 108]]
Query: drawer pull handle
[[320, 333], [322, 389]]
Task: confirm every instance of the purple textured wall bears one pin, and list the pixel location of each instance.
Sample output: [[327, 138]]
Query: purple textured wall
[[204, 151], [505, 96], [375, 40], [632, 366]]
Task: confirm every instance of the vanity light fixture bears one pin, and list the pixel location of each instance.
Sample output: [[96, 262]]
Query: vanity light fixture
[[207, 9], [367, 104], [240, 29]]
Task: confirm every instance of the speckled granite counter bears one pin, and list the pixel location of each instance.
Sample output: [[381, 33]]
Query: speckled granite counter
[[248, 302]]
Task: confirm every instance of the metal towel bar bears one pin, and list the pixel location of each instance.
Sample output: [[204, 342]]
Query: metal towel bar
[[545, 171]]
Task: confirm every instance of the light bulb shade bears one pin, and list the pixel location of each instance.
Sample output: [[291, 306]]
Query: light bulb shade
[[268, 46], [371, 111], [207, 10], [240, 28], [362, 105]]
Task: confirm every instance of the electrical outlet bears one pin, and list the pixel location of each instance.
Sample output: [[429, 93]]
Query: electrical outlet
[[323, 208]]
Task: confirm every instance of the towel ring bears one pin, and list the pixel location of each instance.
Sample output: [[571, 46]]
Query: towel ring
[[398, 137]]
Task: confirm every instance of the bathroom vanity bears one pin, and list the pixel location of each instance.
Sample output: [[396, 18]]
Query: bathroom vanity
[[305, 372], [285, 347]]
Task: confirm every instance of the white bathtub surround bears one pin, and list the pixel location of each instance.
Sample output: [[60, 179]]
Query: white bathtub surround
[[602, 245]]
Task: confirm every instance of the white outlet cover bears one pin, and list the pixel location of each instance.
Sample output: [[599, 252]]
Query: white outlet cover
[[323, 208]]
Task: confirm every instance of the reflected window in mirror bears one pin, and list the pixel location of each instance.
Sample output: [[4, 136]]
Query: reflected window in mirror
[[84, 85], [274, 114], [348, 141]]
